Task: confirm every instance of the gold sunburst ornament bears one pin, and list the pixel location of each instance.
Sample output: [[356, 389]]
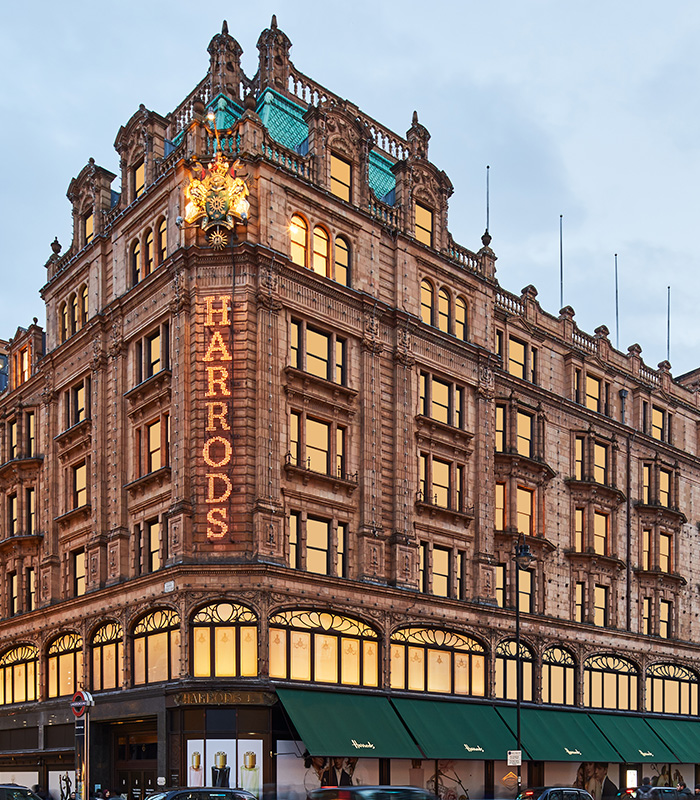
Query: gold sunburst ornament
[[216, 197]]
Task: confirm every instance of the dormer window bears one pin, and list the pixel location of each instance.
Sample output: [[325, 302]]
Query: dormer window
[[139, 174], [88, 227], [341, 177], [424, 225]]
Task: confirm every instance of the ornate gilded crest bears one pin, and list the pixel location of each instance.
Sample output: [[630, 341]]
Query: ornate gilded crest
[[216, 197]]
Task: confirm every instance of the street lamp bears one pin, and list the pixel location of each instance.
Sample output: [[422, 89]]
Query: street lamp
[[523, 557]]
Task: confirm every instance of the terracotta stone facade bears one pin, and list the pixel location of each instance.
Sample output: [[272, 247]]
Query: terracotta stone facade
[[148, 461]]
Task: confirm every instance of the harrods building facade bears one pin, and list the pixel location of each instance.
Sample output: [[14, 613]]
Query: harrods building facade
[[263, 473]]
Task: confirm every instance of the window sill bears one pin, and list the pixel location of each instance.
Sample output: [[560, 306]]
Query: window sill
[[656, 576], [79, 514], [347, 482], [157, 478], [21, 464], [463, 516]]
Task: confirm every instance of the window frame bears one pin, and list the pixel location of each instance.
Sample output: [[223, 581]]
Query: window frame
[[336, 355], [336, 182]]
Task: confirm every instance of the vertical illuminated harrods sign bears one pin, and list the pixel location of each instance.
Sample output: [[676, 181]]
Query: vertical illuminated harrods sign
[[216, 199]]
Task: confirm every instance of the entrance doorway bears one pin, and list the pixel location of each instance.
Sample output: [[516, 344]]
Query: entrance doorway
[[135, 762]]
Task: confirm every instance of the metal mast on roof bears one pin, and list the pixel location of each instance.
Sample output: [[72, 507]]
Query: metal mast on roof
[[561, 261], [617, 309], [668, 324], [487, 198]]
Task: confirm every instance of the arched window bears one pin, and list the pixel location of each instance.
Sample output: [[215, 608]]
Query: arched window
[[135, 263], [156, 647], [63, 321], [148, 254], [426, 659], [444, 310], [558, 677], [84, 310], [225, 642], [461, 330], [342, 261], [324, 648], [162, 241], [672, 689], [427, 299], [610, 682], [19, 675], [73, 301], [507, 671], [298, 233], [65, 665], [107, 657], [321, 247]]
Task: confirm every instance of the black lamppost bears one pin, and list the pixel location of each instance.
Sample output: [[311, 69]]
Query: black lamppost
[[523, 558]]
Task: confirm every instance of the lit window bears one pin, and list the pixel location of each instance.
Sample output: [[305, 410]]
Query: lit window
[[78, 559], [424, 225], [501, 585], [660, 424], [30, 510], [524, 434], [525, 596], [136, 269], [461, 331], [139, 173], [500, 507], [157, 444], [558, 677], [593, 394], [436, 481], [578, 530], [162, 241], [664, 488], [427, 300], [321, 251], [298, 232], [30, 589], [317, 545], [323, 648], [12, 594], [500, 429], [600, 463], [646, 549], [342, 261], [507, 672], [152, 543], [434, 660], [88, 227], [610, 682], [600, 606], [671, 689], [646, 616], [148, 254], [665, 552], [516, 358], [444, 311], [225, 642], [19, 675], [107, 657], [341, 551], [73, 313], [63, 321], [525, 511], [665, 608], [579, 601], [154, 361], [65, 665], [30, 434], [341, 175], [12, 439], [441, 571], [12, 515], [21, 366], [156, 647], [84, 307], [79, 485], [441, 401], [646, 484], [600, 533], [321, 354]]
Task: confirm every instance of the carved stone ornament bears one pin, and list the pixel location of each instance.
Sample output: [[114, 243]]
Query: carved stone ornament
[[486, 382]]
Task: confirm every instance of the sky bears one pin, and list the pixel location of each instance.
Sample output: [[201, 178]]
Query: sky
[[588, 110]]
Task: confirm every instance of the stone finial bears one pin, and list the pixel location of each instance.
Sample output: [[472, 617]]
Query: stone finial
[[602, 332], [273, 22], [634, 350], [224, 63], [486, 238], [249, 102], [418, 137], [664, 366], [567, 312], [56, 246], [224, 28], [273, 60], [529, 292]]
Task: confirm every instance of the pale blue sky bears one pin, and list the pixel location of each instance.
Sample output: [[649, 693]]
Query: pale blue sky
[[586, 109]]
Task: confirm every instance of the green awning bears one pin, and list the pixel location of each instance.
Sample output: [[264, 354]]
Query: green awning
[[456, 730], [682, 736], [633, 739], [560, 735], [339, 724]]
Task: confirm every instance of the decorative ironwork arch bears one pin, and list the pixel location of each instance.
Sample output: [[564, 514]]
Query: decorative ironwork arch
[[672, 689], [224, 641], [558, 676], [610, 681]]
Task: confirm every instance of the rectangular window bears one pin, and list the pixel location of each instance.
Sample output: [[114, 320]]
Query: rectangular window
[[318, 445], [660, 424], [341, 177], [499, 344], [155, 450], [600, 606], [593, 393], [320, 354], [524, 434], [579, 601], [516, 358], [79, 485], [525, 590], [152, 353], [600, 533], [12, 596], [340, 553], [665, 560], [21, 367], [139, 173], [424, 225], [441, 572], [646, 484], [423, 567], [665, 488], [317, 545], [30, 511], [501, 585], [459, 575], [500, 429], [12, 451], [12, 515], [665, 619], [154, 350], [578, 458], [30, 589], [440, 401], [30, 434], [578, 530], [646, 549], [500, 519], [526, 509], [646, 616], [600, 463], [78, 558], [152, 533], [294, 540], [442, 493]]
